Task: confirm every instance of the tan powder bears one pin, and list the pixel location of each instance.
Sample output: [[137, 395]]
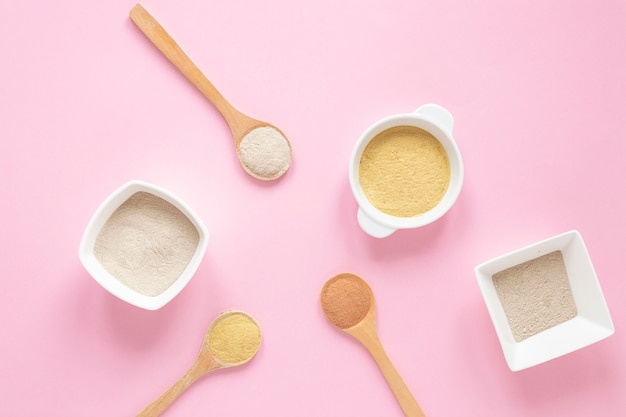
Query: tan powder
[[535, 295], [234, 338], [265, 152], [146, 243], [404, 171], [346, 299]]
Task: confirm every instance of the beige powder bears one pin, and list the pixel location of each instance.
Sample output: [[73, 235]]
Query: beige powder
[[404, 171], [146, 243], [535, 295], [265, 152]]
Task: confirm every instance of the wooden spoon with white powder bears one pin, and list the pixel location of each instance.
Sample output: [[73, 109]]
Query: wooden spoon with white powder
[[263, 150]]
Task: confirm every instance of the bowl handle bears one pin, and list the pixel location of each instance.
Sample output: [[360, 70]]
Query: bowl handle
[[438, 115], [372, 227]]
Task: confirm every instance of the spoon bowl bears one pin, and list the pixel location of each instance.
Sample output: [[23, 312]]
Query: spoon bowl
[[348, 303], [233, 339], [263, 150]]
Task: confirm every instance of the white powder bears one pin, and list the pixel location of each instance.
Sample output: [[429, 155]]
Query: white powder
[[535, 295], [146, 243], [265, 152]]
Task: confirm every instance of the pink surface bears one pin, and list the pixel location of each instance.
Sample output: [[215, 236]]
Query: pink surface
[[537, 91]]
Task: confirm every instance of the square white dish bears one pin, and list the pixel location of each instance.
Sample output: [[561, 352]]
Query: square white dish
[[591, 324], [112, 284]]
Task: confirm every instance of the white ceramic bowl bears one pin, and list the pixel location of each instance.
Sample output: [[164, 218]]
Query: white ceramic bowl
[[592, 323], [438, 122], [112, 284]]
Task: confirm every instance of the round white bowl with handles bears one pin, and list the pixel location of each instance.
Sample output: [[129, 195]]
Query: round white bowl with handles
[[437, 121]]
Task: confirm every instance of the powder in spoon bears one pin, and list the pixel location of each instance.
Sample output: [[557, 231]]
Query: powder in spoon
[[265, 152], [146, 243], [234, 338], [346, 299], [535, 295], [404, 171]]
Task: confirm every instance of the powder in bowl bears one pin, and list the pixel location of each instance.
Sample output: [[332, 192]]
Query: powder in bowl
[[404, 171], [265, 152], [146, 243], [536, 295]]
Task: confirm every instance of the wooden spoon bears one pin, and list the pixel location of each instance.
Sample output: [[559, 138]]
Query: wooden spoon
[[348, 303], [232, 339], [263, 150]]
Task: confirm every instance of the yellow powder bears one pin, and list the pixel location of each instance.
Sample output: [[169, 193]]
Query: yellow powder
[[234, 338], [404, 171]]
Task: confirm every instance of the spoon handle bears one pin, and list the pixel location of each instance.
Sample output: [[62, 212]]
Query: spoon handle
[[168, 46], [159, 405], [368, 336]]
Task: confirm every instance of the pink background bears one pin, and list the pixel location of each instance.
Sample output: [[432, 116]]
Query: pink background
[[537, 89]]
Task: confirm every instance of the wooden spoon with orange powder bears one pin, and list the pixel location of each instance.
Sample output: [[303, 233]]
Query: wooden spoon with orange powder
[[348, 303]]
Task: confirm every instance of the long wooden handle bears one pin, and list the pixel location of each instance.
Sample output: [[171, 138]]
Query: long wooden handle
[[160, 404], [168, 46], [368, 336]]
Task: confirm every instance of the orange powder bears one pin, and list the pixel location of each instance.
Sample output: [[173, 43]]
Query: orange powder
[[345, 299]]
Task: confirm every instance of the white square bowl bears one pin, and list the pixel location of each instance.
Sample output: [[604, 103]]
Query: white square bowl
[[111, 283], [591, 324]]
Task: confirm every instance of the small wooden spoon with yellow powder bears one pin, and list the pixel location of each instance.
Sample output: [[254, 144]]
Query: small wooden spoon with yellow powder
[[263, 150], [232, 339], [348, 303]]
